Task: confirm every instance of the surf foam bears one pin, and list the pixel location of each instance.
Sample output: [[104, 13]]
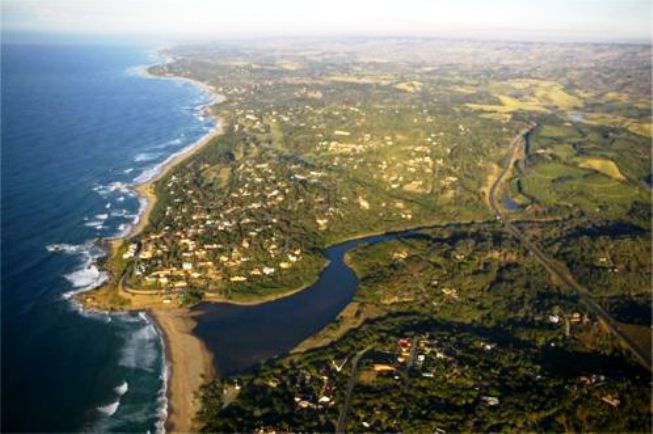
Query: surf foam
[[109, 409], [122, 388]]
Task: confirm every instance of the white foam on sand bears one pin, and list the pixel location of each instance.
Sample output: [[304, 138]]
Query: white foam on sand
[[149, 173], [163, 392]]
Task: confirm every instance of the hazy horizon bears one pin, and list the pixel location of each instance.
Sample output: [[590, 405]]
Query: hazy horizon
[[197, 20]]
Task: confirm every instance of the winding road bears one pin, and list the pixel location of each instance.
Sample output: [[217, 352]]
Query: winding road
[[562, 275], [350, 388]]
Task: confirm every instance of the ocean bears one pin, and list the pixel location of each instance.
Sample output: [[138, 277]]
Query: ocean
[[80, 126]]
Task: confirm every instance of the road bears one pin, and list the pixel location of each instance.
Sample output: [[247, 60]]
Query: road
[[563, 275], [342, 419]]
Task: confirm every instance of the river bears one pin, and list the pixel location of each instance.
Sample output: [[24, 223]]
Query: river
[[242, 336]]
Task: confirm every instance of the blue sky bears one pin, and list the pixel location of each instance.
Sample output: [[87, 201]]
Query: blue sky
[[574, 20]]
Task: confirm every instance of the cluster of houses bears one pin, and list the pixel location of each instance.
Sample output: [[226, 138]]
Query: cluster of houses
[[416, 353], [312, 390], [209, 240], [236, 238], [232, 235]]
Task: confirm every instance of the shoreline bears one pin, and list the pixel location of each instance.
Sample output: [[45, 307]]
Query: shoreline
[[188, 363], [145, 189]]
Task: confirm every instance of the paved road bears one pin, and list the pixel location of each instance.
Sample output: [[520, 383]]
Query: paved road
[[342, 419], [563, 276]]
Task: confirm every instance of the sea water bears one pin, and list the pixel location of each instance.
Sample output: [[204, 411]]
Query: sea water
[[80, 126]]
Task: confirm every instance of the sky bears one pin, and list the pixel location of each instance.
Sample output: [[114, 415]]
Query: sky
[[557, 20]]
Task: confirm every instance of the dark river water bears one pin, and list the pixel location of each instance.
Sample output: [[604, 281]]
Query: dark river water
[[242, 336]]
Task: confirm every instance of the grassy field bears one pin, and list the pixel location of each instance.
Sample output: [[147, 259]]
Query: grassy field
[[529, 95], [607, 167]]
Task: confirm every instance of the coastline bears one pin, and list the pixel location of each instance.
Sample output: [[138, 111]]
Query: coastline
[[145, 190], [188, 362]]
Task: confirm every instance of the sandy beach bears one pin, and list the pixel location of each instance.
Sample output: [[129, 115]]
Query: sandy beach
[[190, 365]]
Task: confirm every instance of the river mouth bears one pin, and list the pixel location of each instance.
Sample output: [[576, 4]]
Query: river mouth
[[243, 336]]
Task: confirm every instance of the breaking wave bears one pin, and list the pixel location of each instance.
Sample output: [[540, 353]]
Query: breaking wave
[[109, 409], [87, 275], [146, 156], [122, 388], [117, 186], [140, 350], [163, 392]]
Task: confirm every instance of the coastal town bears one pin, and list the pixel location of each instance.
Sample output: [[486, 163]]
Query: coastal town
[[327, 216], [449, 311]]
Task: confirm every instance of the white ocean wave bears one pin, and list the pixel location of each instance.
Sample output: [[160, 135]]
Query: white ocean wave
[[149, 173], [140, 349], [117, 186], [91, 314], [67, 248], [102, 216], [121, 213], [163, 392], [122, 388], [123, 230], [109, 409], [146, 156], [169, 143], [95, 224], [87, 275], [85, 279]]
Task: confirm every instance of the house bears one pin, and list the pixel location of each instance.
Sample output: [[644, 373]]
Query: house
[[383, 367], [238, 279], [492, 401], [611, 399], [131, 250]]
